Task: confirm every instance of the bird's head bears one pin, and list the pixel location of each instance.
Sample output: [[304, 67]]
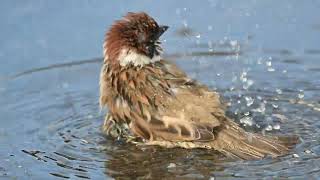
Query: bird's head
[[134, 40]]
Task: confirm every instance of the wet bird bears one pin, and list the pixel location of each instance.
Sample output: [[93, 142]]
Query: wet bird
[[153, 102]]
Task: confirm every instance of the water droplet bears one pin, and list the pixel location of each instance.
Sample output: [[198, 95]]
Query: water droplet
[[279, 91], [295, 155], [268, 128], [243, 76], [234, 78], [249, 100], [246, 121], [301, 94], [308, 151], [172, 165], [270, 69], [261, 108], [249, 83], [276, 126], [269, 63], [233, 43]]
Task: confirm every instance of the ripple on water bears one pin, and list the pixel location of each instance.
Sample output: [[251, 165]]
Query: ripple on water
[[64, 122]]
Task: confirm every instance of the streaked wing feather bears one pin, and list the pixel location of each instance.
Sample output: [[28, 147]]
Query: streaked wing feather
[[187, 113]]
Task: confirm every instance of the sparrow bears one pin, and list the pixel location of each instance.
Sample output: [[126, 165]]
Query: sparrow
[[153, 102]]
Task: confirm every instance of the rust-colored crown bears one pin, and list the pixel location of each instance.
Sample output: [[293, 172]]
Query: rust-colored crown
[[134, 31]]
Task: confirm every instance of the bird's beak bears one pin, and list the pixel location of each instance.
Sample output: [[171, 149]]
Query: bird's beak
[[162, 29]]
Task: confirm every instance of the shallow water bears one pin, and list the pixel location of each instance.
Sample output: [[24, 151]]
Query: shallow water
[[262, 56]]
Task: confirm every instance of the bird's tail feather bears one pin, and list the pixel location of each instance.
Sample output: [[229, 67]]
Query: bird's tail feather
[[238, 144]]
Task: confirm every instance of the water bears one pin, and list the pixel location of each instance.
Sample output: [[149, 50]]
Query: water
[[262, 56]]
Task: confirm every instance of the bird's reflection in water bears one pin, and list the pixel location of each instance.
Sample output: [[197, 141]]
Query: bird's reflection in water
[[151, 162]]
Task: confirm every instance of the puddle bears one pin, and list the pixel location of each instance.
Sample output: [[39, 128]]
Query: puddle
[[50, 117]]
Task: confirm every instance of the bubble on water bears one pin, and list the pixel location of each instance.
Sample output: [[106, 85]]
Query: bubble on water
[[246, 121], [249, 100], [279, 91], [268, 128], [238, 101], [185, 9], [284, 71], [276, 126], [210, 28], [275, 106], [198, 36], [218, 74]]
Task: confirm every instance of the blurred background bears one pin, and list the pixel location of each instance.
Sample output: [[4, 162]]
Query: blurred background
[[262, 56]]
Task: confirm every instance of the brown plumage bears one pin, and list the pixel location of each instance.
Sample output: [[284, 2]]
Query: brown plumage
[[153, 100]]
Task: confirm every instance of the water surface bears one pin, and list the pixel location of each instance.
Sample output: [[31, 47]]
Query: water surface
[[262, 56]]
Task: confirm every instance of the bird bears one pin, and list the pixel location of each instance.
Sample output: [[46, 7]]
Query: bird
[[151, 101]]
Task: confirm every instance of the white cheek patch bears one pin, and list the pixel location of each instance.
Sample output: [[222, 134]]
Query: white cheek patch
[[131, 57]]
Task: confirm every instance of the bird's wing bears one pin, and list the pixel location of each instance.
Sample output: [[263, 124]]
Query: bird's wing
[[189, 112]]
